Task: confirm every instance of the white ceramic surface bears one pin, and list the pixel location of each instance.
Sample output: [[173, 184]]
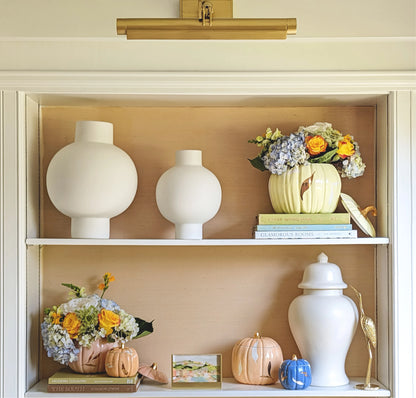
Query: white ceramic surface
[[323, 322], [91, 180], [188, 194]]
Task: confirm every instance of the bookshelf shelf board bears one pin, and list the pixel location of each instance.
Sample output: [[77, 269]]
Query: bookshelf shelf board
[[204, 242], [230, 388]]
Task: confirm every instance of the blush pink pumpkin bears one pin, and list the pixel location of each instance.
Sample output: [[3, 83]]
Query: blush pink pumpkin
[[122, 362], [256, 360], [92, 359]]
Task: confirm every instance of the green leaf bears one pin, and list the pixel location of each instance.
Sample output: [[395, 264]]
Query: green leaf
[[71, 286], [145, 328], [257, 163], [325, 158], [75, 289]]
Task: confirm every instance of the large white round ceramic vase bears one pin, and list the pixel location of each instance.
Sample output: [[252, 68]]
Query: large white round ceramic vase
[[91, 180], [188, 194], [323, 322]]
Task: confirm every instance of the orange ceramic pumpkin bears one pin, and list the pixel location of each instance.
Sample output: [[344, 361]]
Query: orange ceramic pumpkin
[[122, 362], [256, 360]]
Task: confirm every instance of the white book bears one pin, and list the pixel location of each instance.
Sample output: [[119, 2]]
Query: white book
[[304, 234]]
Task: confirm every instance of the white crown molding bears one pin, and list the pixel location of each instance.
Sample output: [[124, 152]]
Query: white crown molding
[[206, 83]]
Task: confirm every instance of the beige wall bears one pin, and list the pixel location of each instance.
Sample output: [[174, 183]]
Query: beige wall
[[332, 35], [203, 299]]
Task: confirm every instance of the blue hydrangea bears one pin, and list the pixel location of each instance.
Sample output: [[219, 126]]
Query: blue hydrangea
[[286, 153], [109, 305], [58, 344]]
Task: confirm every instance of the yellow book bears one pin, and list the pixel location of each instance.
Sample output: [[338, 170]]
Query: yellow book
[[318, 218]]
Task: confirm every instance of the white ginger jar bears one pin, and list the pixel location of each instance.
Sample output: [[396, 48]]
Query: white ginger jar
[[323, 322]]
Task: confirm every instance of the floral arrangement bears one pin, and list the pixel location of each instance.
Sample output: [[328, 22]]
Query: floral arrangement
[[86, 318], [319, 143]]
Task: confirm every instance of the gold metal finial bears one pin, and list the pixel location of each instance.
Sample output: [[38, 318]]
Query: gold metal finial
[[369, 329]]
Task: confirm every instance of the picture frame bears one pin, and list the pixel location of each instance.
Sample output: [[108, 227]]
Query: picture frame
[[196, 370]]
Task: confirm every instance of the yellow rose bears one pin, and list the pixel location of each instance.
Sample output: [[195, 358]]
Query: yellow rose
[[107, 320], [345, 147], [72, 324], [55, 318], [315, 144]]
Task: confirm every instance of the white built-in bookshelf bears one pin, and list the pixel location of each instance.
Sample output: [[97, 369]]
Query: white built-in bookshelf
[[23, 243]]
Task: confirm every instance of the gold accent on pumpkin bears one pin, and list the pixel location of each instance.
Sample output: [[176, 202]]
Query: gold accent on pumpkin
[[367, 210], [306, 184]]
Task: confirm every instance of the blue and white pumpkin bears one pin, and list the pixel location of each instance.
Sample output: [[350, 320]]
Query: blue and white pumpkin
[[295, 374]]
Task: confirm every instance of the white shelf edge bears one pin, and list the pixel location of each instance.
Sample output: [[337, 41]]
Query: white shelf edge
[[230, 388], [204, 242]]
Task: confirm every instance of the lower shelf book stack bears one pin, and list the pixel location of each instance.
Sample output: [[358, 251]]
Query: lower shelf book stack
[[66, 380], [304, 226]]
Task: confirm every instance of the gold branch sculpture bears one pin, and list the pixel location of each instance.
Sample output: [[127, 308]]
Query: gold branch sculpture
[[369, 329]]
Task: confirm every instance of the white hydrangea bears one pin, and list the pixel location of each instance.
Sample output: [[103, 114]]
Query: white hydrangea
[[87, 339], [127, 327], [75, 304], [353, 166], [316, 128]]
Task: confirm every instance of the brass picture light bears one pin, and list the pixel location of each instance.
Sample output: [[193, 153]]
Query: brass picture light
[[206, 19]]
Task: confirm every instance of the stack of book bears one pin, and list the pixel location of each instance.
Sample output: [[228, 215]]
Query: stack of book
[[304, 226], [65, 380]]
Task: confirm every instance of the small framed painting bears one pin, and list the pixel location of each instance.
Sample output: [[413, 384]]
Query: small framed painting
[[196, 371]]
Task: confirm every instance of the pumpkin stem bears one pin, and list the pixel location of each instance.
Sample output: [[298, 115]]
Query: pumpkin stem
[[122, 346], [294, 357], [369, 209], [154, 365], [257, 335]]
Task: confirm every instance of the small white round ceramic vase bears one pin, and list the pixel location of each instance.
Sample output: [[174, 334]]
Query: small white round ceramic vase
[[323, 322], [91, 180], [188, 194]]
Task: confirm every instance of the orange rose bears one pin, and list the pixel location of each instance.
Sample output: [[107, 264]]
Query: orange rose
[[107, 320], [72, 324], [345, 147], [315, 144]]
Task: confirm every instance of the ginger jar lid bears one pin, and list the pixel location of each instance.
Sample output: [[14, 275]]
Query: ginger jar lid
[[322, 275]]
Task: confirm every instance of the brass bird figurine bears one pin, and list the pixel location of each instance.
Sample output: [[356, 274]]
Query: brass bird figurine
[[369, 329]]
